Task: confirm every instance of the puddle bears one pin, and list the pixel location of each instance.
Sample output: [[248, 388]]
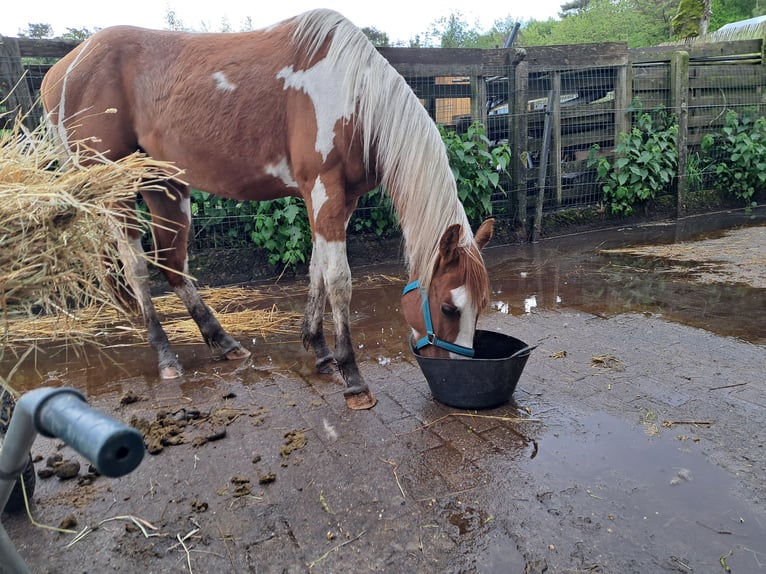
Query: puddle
[[595, 481], [571, 272], [661, 488], [576, 273]]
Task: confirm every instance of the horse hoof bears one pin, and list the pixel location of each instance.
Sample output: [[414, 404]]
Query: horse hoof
[[167, 373], [361, 402], [237, 354]]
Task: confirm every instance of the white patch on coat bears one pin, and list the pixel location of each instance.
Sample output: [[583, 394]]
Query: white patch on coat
[[222, 83], [329, 430], [459, 297], [318, 197], [322, 85], [462, 300], [282, 172], [60, 129]]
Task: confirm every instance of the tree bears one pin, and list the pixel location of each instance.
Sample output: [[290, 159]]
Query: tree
[[453, 31], [37, 31], [573, 7], [77, 34], [378, 38], [692, 18], [172, 21]]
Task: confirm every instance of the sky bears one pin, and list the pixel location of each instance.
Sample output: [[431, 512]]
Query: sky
[[401, 21]]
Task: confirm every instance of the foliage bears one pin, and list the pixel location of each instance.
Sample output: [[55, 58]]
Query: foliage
[[477, 167], [737, 155], [375, 214], [77, 34], [645, 162], [640, 23], [379, 39], [454, 31], [37, 31], [687, 21], [282, 228], [279, 226]]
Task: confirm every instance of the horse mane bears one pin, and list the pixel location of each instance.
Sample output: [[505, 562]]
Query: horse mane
[[410, 155]]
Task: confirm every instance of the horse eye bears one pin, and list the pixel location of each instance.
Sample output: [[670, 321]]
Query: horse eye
[[450, 310]]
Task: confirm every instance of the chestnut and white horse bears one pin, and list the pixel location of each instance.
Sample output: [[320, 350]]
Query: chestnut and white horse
[[305, 108]]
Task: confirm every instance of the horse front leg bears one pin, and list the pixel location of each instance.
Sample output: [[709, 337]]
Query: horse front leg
[[337, 285], [312, 331]]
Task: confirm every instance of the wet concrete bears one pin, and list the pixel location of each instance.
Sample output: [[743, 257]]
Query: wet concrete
[[634, 443]]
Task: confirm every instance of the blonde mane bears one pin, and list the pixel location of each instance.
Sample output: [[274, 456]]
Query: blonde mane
[[409, 152]]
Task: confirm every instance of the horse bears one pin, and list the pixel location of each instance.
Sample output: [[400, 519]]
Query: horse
[[306, 108]]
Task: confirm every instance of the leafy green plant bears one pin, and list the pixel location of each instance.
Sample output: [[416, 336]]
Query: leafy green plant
[[282, 228], [375, 214], [695, 172], [279, 226], [737, 155], [477, 167], [646, 162]]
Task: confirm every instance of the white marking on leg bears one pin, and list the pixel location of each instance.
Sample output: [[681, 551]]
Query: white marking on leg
[[282, 172], [188, 293], [186, 210], [326, 90], [462, 300], [337, 278], [318, 197], [222, 83], [136, 271]]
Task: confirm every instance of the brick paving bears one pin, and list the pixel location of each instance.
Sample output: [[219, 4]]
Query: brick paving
[[414, 486]]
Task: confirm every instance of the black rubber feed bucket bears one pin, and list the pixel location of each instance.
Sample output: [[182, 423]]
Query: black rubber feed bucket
[[487, 380]]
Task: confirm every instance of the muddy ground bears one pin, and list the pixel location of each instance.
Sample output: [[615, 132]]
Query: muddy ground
[[634, 444]]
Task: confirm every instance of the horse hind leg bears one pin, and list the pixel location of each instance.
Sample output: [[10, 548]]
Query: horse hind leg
[[137, 276], [173, 216]]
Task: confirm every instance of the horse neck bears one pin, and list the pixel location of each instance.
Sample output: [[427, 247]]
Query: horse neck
[[394, 127], [418, 177]]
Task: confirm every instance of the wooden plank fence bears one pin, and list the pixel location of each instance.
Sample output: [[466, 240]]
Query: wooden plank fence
[[552, 101]]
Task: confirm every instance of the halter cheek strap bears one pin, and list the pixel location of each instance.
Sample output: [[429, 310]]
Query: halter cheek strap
[[431, 338]]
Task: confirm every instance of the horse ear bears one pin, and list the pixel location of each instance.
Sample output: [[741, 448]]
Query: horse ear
[[484, 233], [449, 244]]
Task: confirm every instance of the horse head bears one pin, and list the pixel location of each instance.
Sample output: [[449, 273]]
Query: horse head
[[443, 314]]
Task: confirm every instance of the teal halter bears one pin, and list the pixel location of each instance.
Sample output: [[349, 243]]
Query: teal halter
[[431, 338]]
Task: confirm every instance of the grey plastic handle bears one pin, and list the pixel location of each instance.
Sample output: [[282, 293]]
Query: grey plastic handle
[[113, 447]]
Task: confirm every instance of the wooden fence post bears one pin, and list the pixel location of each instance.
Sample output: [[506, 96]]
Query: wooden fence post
[[517, 116], [623, 93], [679, 94], [14, 88]]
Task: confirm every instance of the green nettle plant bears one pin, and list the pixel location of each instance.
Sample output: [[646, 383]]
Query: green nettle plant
[[646, 162], [737, 155], [477, 167], [282, 228], [375, 214]]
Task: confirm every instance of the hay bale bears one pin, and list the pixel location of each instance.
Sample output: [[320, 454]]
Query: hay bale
[[58, 222]]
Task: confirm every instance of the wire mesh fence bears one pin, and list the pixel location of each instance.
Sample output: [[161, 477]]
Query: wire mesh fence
[[555, 107]]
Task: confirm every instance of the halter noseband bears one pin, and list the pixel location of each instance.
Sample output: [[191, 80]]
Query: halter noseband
[[431, 338]]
